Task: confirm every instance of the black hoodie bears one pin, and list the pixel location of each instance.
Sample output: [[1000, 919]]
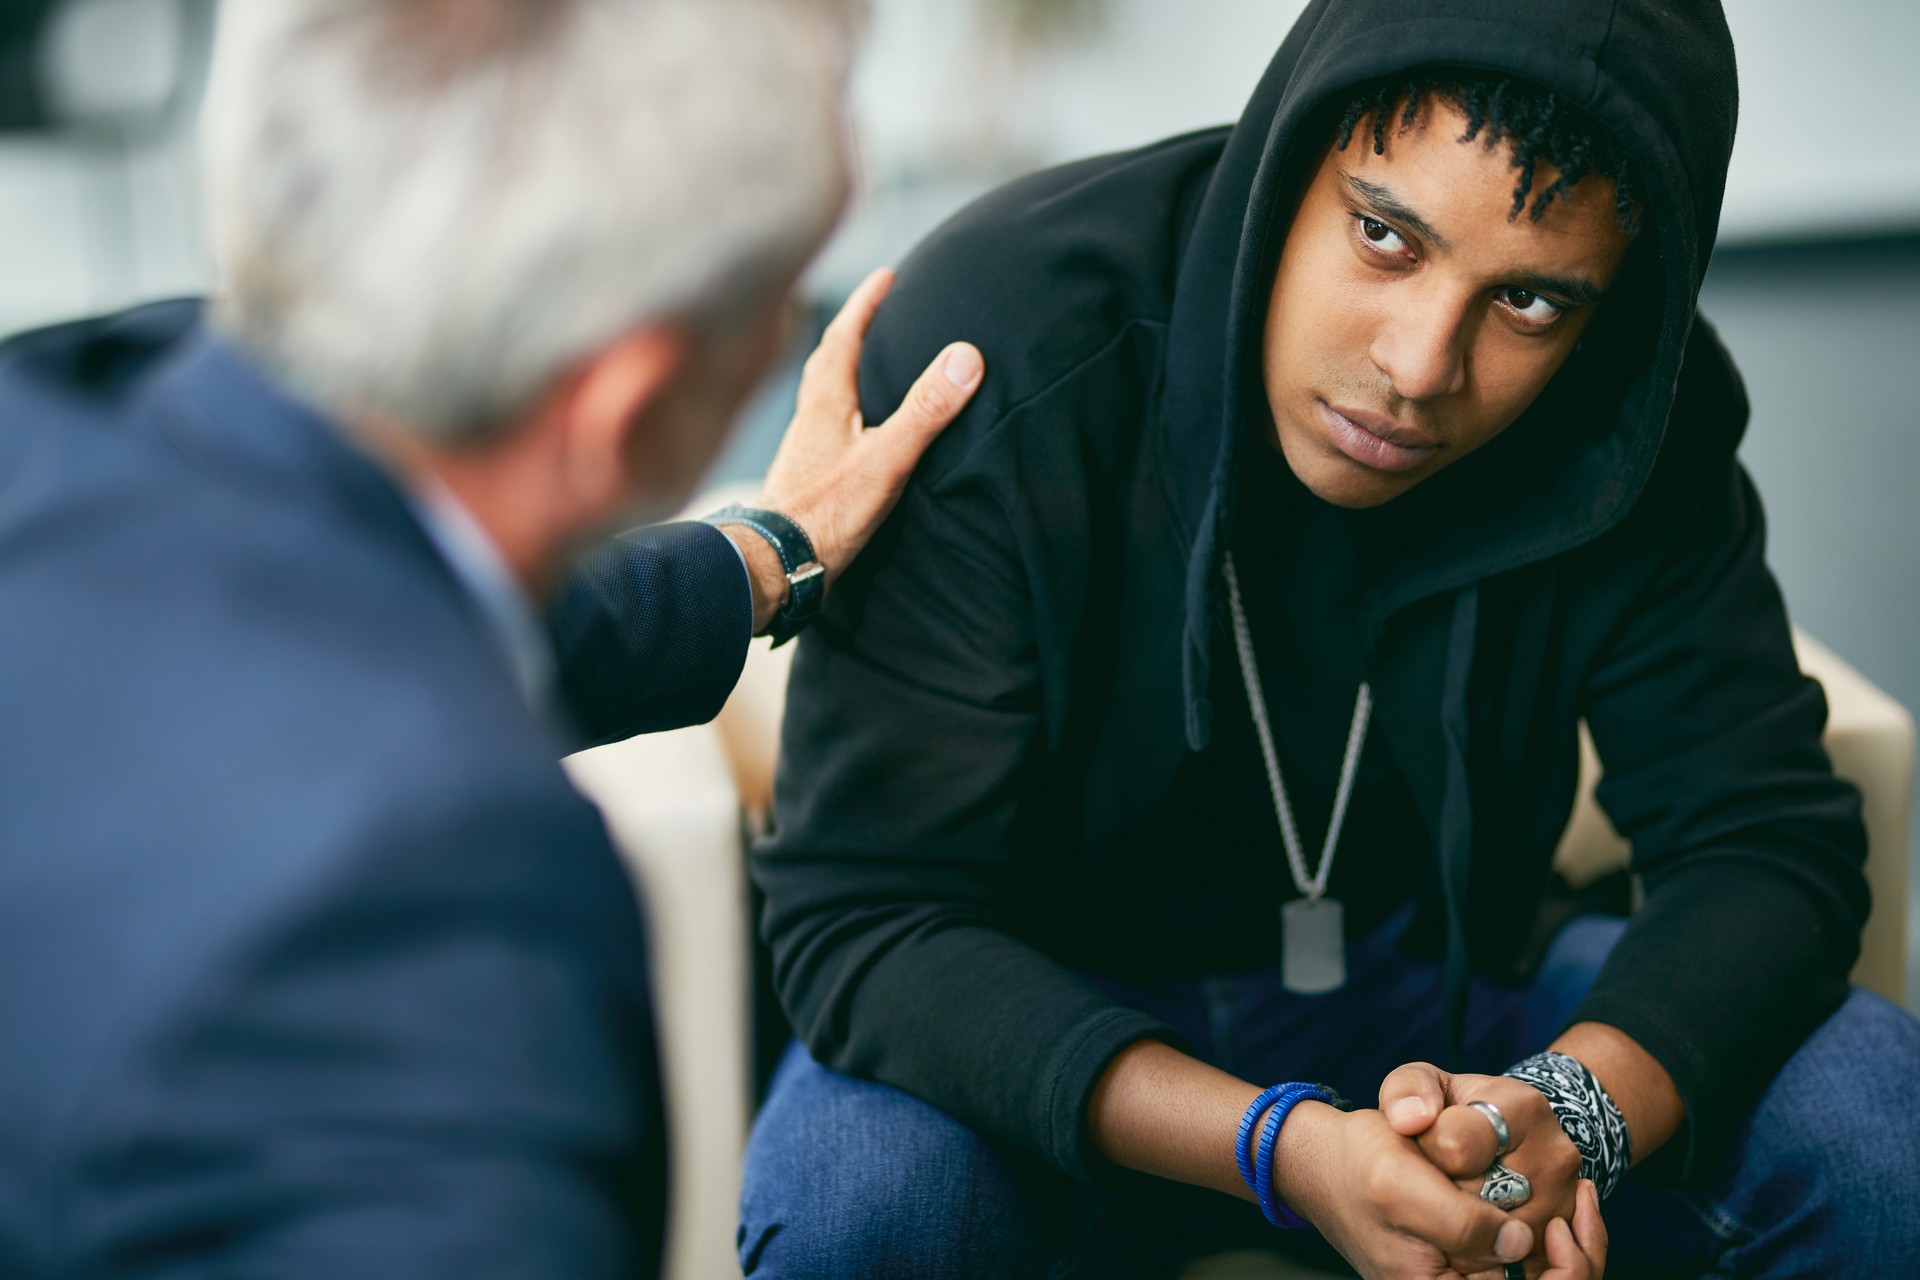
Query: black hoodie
[[1009, 681]]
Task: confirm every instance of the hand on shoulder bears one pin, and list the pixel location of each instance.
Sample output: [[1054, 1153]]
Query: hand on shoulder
[[837, 477]]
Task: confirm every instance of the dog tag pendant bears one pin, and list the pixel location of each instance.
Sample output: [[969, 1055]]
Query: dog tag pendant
[[1313, 958]]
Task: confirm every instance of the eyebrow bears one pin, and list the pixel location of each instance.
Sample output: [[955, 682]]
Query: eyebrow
[[1385, 201], [1575, 291]]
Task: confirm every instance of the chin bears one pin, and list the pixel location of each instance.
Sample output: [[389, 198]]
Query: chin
[[1359, 496], [1338, 480]]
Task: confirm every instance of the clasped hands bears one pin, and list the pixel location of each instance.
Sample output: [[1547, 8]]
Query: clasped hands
[[1397, 1190]]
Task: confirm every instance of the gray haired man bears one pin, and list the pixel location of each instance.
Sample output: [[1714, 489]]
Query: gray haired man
[[312, 963]]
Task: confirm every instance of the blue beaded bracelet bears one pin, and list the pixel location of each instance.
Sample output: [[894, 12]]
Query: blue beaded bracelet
[[1249, 1123], [1256, 1160]]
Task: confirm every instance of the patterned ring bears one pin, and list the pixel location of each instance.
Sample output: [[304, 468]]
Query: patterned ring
[[1501, 1134], [1505, 1188]]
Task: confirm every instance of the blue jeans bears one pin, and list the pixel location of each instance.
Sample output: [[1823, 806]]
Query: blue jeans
[[846, 1177]]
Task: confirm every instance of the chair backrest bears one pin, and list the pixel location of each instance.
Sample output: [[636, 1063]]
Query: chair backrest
[[1871, 740]]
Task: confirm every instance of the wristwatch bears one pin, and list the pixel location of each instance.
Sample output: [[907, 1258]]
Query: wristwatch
[[806, 576]]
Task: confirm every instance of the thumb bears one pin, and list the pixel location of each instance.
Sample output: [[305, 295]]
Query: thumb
[[1564, 1259], [1578, 1252], [1413, 1096], [1589, 1229], [935, 400], [870, 481]]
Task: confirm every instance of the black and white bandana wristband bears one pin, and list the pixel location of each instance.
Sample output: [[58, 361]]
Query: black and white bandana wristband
[[1585, 1112]]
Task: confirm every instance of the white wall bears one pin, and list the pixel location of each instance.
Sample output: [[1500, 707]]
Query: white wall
[[103, 218], [1824, 146], [945, 109]]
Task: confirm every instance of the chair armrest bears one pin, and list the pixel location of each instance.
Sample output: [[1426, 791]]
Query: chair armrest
[[671, 809], [749, 726], [1871, 739]]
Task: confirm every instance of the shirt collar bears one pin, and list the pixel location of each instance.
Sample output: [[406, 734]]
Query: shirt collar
[[480, 568]]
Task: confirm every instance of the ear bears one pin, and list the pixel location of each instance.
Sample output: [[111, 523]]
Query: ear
[[607, 411]]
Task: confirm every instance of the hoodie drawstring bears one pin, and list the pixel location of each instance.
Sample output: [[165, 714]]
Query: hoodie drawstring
[[1456, 816]]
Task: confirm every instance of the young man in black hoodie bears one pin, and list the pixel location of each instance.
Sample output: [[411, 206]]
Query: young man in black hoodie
[[1338, 464]]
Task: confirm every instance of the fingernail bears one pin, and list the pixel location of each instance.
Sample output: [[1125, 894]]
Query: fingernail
[[1513, 1242], [1408, 1109], [963, 366]]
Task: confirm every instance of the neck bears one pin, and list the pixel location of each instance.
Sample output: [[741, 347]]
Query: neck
[[491, 483]]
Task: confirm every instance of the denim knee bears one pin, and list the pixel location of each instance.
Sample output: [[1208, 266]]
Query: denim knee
[[1838, 1136], [1864, 1142], [846, 1177]]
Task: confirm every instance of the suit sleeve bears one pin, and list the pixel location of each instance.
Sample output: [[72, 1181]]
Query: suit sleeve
[[438, 1066], [651, 633], [1749, 848]]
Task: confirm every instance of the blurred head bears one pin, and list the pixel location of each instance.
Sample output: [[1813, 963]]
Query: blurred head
[[1449, 250], [459, 221]]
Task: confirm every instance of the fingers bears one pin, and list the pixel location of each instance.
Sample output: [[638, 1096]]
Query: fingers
[[1589, 1229], [1563, 1252], [874, 469], [1412, 1096], [1423, 1203], [848, 328], [1564, 1259], [1462, 1142], [827, 381], [1578, 1252], [836, 479]]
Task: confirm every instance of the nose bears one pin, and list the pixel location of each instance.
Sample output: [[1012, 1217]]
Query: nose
[[1421, 345]]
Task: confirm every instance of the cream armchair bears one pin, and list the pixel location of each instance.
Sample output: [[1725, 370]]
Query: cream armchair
[[678, 804]]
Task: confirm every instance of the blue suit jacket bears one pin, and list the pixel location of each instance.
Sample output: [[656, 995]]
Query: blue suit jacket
[[311, 962]]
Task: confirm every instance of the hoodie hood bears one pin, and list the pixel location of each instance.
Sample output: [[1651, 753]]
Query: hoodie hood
[[1659, 74]]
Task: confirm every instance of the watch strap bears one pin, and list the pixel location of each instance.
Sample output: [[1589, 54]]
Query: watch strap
[[806, 576]]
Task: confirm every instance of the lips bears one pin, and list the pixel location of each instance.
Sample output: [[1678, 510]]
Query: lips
[[1375, 441]]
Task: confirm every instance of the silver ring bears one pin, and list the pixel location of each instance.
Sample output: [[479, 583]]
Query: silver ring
[[1505, 1188], [1501, 1134]]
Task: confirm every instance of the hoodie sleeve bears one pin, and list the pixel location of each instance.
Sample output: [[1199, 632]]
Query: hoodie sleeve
[[911, 735], [1749, 848]]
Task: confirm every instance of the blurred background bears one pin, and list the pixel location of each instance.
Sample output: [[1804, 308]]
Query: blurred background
[[1816, 286]]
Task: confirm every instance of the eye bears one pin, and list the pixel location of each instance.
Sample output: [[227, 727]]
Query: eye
[[1535, 311], [1380, 237]]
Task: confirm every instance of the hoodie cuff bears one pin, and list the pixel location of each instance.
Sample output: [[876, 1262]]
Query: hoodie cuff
[[1077, 1072]]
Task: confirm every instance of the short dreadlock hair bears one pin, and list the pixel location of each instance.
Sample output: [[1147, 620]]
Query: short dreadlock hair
[[1540, 127]]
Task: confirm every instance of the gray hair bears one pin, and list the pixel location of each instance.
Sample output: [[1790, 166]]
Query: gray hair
[[430, 210]]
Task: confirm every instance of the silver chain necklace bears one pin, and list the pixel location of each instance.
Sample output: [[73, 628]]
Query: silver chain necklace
[[1312, 926]]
